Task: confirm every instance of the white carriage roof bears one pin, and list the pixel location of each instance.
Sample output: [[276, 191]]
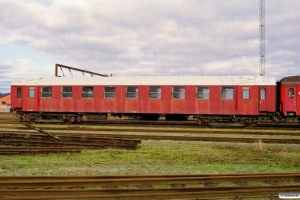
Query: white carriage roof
[[147, 80]]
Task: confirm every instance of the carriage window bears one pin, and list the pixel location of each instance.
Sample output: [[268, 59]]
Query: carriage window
[[178, 92], [291, 93], [31, 92], [66, 92], [3, 102], [19, 92], [46, 92], [87, 92], [246, 93], [203, 92], [227, 93], [109, 92], [154, 92], [132, 92], [263, 92]]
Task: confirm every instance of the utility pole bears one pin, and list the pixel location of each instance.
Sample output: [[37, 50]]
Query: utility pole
[[262, 37]]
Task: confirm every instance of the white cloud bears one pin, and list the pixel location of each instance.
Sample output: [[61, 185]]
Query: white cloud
[[150, 37]]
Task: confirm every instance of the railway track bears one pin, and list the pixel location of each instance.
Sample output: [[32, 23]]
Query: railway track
[[24, 138], [85, 136], [42, 140], [140, 128], [19, 135], [144, 187], [158, 123], [164, 130], [64, 144]]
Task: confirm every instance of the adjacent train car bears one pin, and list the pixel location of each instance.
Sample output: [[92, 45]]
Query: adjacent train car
[[290, 98], [210, 99]]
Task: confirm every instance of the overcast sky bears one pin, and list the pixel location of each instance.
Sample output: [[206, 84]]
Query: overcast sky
[[141, 37]]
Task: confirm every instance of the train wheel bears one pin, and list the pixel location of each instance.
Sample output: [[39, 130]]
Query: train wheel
[[200, 122], [78, 119], [69, 120], [248, 123]]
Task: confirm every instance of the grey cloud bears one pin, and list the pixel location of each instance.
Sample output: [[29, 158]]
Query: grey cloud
[[5, 68], [4, 86], [5, 79], [163, 37]]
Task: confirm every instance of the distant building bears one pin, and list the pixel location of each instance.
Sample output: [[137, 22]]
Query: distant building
[[5, 101]]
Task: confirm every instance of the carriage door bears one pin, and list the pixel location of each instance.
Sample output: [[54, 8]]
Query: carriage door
[[19, 97], [263, 103], [247, 107], [290, 99]]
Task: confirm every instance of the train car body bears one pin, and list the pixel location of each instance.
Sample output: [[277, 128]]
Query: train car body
[[209, 98], [290, 97]]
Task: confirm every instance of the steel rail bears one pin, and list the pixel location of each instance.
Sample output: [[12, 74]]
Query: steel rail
[[196, 185], [64, 144], [161, 130], [179, 138], [82, 138], [71, 141], [162, 123], [177, 124], [213, 138], [290, 174], [40, 130], [199, 138], [6, 182], [139, 192]]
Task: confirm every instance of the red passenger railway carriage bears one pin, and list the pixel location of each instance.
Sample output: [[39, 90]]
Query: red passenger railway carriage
[[290, 97], [210, 99]]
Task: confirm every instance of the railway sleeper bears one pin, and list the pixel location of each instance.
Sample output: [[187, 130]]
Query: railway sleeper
[[109, 186], [273, 182], [144, 186], [241, 183], [211, 184], [178, 185]]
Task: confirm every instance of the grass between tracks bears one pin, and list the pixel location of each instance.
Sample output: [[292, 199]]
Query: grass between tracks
[[161, 157]]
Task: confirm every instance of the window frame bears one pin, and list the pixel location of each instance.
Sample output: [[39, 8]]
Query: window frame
[[158, 92], [225, 94], [66, 94], [246, 89], [205, 94], [42, 92], [87, 94], [19, 92], [109, 94], [263, 93], [180, 93], [291, 95], [31, 92], [128, 93]]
